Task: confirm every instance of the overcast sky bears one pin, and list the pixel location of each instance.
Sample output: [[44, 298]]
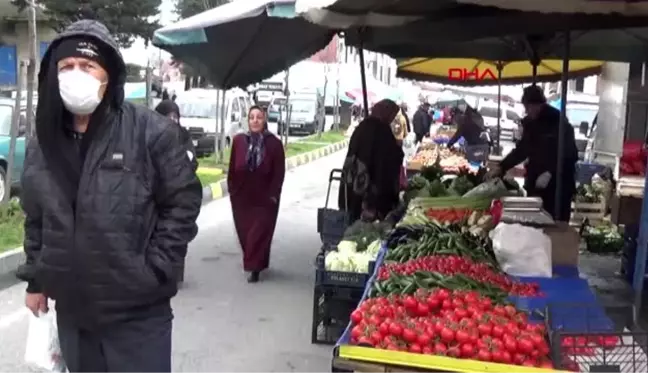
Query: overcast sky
[[138, 53]]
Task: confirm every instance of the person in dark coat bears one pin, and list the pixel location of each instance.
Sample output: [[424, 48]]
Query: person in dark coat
[[470, 126], [539, 144], [422, 122], [170, 109], [371, 171], [255, 179], [110, 202]]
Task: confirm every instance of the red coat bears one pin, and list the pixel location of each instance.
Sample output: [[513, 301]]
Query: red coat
[[255, 197]]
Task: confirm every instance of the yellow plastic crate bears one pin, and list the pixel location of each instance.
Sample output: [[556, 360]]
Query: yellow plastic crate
[[430, 362]]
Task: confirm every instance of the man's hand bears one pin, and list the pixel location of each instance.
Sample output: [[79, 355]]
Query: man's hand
[[543, 180], [36, 302], [495, 171]]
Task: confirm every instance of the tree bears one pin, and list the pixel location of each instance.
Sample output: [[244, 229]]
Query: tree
[[126, 19], [134, 72], [188, 8]]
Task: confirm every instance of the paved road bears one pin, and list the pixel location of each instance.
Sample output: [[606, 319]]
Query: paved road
[[221, 322]]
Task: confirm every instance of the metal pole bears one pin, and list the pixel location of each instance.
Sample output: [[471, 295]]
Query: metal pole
[[561, 124], [363, 76], [223, 114], [287, 125], [15, 122], [285, 128], [217, 150], [31, 71], [500, 66]]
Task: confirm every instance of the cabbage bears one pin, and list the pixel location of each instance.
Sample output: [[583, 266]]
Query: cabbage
[[347, 247], [348, 262], [374, 248]]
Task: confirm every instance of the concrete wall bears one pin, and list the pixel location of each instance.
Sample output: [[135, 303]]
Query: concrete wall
[[612, 108], [20, 38]]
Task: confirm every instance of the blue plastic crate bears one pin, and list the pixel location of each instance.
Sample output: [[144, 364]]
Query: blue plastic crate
[[585, 171]]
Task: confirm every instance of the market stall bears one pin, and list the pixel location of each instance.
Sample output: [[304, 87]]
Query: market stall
[[451, 286]]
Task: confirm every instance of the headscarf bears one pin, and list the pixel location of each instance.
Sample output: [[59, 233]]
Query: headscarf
[[256, 143], [385, 111]]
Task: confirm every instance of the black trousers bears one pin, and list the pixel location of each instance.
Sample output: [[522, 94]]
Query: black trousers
[[139, 345]]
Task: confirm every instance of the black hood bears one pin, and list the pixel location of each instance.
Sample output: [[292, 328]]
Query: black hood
[[99, 32], [53, 121]]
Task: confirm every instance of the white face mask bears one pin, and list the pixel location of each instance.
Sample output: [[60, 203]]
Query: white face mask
[[79, 91]]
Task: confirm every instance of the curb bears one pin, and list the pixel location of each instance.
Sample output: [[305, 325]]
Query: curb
[[219, 190], [12, 259]]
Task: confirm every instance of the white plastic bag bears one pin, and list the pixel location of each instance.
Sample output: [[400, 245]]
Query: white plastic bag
[[521, 250], [43, 351]]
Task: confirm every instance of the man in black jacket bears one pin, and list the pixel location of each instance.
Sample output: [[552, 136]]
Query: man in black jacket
[[422, 122], [539, 144], [111, 202]]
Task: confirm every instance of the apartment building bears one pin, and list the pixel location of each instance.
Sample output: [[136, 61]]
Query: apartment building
[[14, 41]]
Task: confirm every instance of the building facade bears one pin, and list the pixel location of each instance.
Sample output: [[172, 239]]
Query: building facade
[[379, 66], [14, 41]]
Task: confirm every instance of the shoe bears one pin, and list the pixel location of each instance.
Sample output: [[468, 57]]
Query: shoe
[[253, 277]]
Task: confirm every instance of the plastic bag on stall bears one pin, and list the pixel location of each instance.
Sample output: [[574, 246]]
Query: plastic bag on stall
[[522, 251], [43, 351], [409, 146], [493, 189]]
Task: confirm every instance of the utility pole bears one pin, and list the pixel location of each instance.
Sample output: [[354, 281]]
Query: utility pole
[[15, 123], [31, 70], [285, 128]]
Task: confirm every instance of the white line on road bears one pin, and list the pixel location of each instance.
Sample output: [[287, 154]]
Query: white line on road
[[8, 320]]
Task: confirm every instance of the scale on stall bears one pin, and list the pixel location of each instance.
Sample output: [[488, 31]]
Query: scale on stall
[[525, 211]]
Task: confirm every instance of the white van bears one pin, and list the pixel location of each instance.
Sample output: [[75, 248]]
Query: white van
[[199, 111], [509, 120]]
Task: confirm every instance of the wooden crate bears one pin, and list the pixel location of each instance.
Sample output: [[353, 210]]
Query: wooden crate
[[594, 212]]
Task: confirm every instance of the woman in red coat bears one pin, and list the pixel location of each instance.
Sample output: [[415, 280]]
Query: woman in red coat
[[255, 177]]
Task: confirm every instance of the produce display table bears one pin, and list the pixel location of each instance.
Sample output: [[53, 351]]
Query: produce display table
[[566, 287]]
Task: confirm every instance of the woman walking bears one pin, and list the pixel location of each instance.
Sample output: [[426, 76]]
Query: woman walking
[[255, 178], [371, 171]]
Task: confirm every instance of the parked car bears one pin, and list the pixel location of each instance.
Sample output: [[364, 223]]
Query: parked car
[[7, 107], [509, 121], [199, 113], [276, 111]]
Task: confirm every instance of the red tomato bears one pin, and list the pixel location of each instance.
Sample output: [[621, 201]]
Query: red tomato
[[423, 339], [384, 327], [392, 347], [484, 355], [356, 316], [410, 302], [422, 309], [395, 329], [462, 336], [409, 335], [447, 335], [485, 329], [498, 331], [453, 351], [416, 349], [510, 345], [365, 341], [525, 346], [467, 350], [440, 348], [433, 302]]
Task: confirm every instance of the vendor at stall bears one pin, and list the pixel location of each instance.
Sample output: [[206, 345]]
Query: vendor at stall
[[470, 126], [539, 144]]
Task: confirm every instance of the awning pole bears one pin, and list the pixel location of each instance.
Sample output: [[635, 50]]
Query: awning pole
[[500, 66], [562, 124], [363, 76]]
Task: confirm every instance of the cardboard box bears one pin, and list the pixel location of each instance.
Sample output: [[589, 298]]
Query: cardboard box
[[565, 243]]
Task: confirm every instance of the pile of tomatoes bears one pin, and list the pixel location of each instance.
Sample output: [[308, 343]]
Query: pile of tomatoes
[[450, 215], [452, 265], [459, 324]]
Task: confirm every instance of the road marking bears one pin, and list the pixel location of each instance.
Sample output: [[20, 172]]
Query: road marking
[[8, 320]]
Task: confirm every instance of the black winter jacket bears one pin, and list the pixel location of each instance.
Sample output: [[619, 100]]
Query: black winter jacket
[[111, 252], [539, 144], [422, 122]]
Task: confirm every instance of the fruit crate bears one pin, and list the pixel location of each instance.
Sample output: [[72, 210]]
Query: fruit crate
[[338, 278], [332, 307], [589, 338], [593, 212]]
